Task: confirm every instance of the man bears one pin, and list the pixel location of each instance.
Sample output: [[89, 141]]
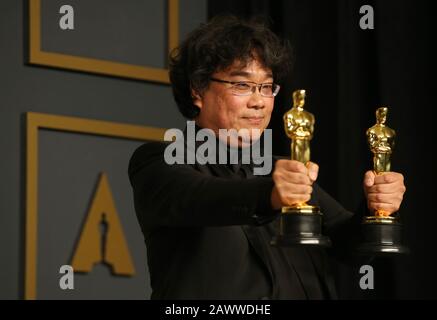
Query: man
[[208, 227]]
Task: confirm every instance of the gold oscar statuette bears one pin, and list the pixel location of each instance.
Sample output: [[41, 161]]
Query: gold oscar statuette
[[299, 127], [301, 223], [381, 231], [381, 140]]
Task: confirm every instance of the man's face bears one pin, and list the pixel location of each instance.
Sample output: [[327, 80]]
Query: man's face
[[221, 109]]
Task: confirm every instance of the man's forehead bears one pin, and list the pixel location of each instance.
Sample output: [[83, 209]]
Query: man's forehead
[[248, 68]]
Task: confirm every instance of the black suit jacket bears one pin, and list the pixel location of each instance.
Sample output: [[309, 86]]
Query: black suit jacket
[[207, 229]]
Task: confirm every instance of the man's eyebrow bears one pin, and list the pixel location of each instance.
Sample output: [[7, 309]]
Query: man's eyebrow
[[246, 74]]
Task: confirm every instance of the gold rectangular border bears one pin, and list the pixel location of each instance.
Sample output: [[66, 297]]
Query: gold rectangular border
[[36, 121], [71, 62]]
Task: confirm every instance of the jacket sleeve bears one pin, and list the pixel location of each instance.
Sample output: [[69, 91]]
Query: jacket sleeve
[[179, 195], [341, 225]]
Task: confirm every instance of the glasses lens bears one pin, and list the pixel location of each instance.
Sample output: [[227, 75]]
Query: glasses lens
[[267, 89], [242, 88], [247, 88]]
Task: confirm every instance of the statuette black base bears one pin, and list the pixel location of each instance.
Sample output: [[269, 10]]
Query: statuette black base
[[300, 226], [382, 235]]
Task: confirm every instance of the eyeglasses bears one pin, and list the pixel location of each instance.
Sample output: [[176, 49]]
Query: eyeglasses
[[246, 88]]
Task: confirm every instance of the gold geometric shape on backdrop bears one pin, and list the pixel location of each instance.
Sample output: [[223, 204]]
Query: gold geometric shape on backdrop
[[99, 66]]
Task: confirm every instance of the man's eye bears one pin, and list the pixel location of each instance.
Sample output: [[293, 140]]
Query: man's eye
[[242, 86]]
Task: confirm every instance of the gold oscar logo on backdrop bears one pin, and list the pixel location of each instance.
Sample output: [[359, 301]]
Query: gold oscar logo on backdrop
[[102, 239]]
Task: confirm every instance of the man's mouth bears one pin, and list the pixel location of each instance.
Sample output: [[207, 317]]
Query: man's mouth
[[254, 120]]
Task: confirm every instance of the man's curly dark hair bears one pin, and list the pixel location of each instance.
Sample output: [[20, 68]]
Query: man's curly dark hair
[[216, 45]]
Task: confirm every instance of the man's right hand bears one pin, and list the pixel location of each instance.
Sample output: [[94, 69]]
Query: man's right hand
[[293, 182]]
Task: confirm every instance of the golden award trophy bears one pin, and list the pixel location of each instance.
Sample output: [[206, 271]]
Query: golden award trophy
[[382, 232], [300, 224]]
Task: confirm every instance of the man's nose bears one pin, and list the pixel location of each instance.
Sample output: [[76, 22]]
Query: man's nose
[[256, 100]]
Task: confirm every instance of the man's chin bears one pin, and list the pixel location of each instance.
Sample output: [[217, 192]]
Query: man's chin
[[249, 137]]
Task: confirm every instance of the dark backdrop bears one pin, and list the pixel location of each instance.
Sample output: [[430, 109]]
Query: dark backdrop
[[349, 72]]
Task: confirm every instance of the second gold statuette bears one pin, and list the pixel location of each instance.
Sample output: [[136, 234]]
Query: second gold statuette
[[301, 223]]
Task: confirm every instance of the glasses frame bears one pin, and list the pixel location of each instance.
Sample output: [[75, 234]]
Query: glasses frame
[[253, 86]]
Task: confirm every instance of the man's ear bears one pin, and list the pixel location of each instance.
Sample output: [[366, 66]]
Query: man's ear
[[197, 99]]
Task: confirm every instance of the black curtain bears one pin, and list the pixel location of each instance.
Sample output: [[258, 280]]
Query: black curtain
[[349, 72]]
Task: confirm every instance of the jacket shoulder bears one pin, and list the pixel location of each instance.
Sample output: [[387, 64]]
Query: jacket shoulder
[[145, 153]]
